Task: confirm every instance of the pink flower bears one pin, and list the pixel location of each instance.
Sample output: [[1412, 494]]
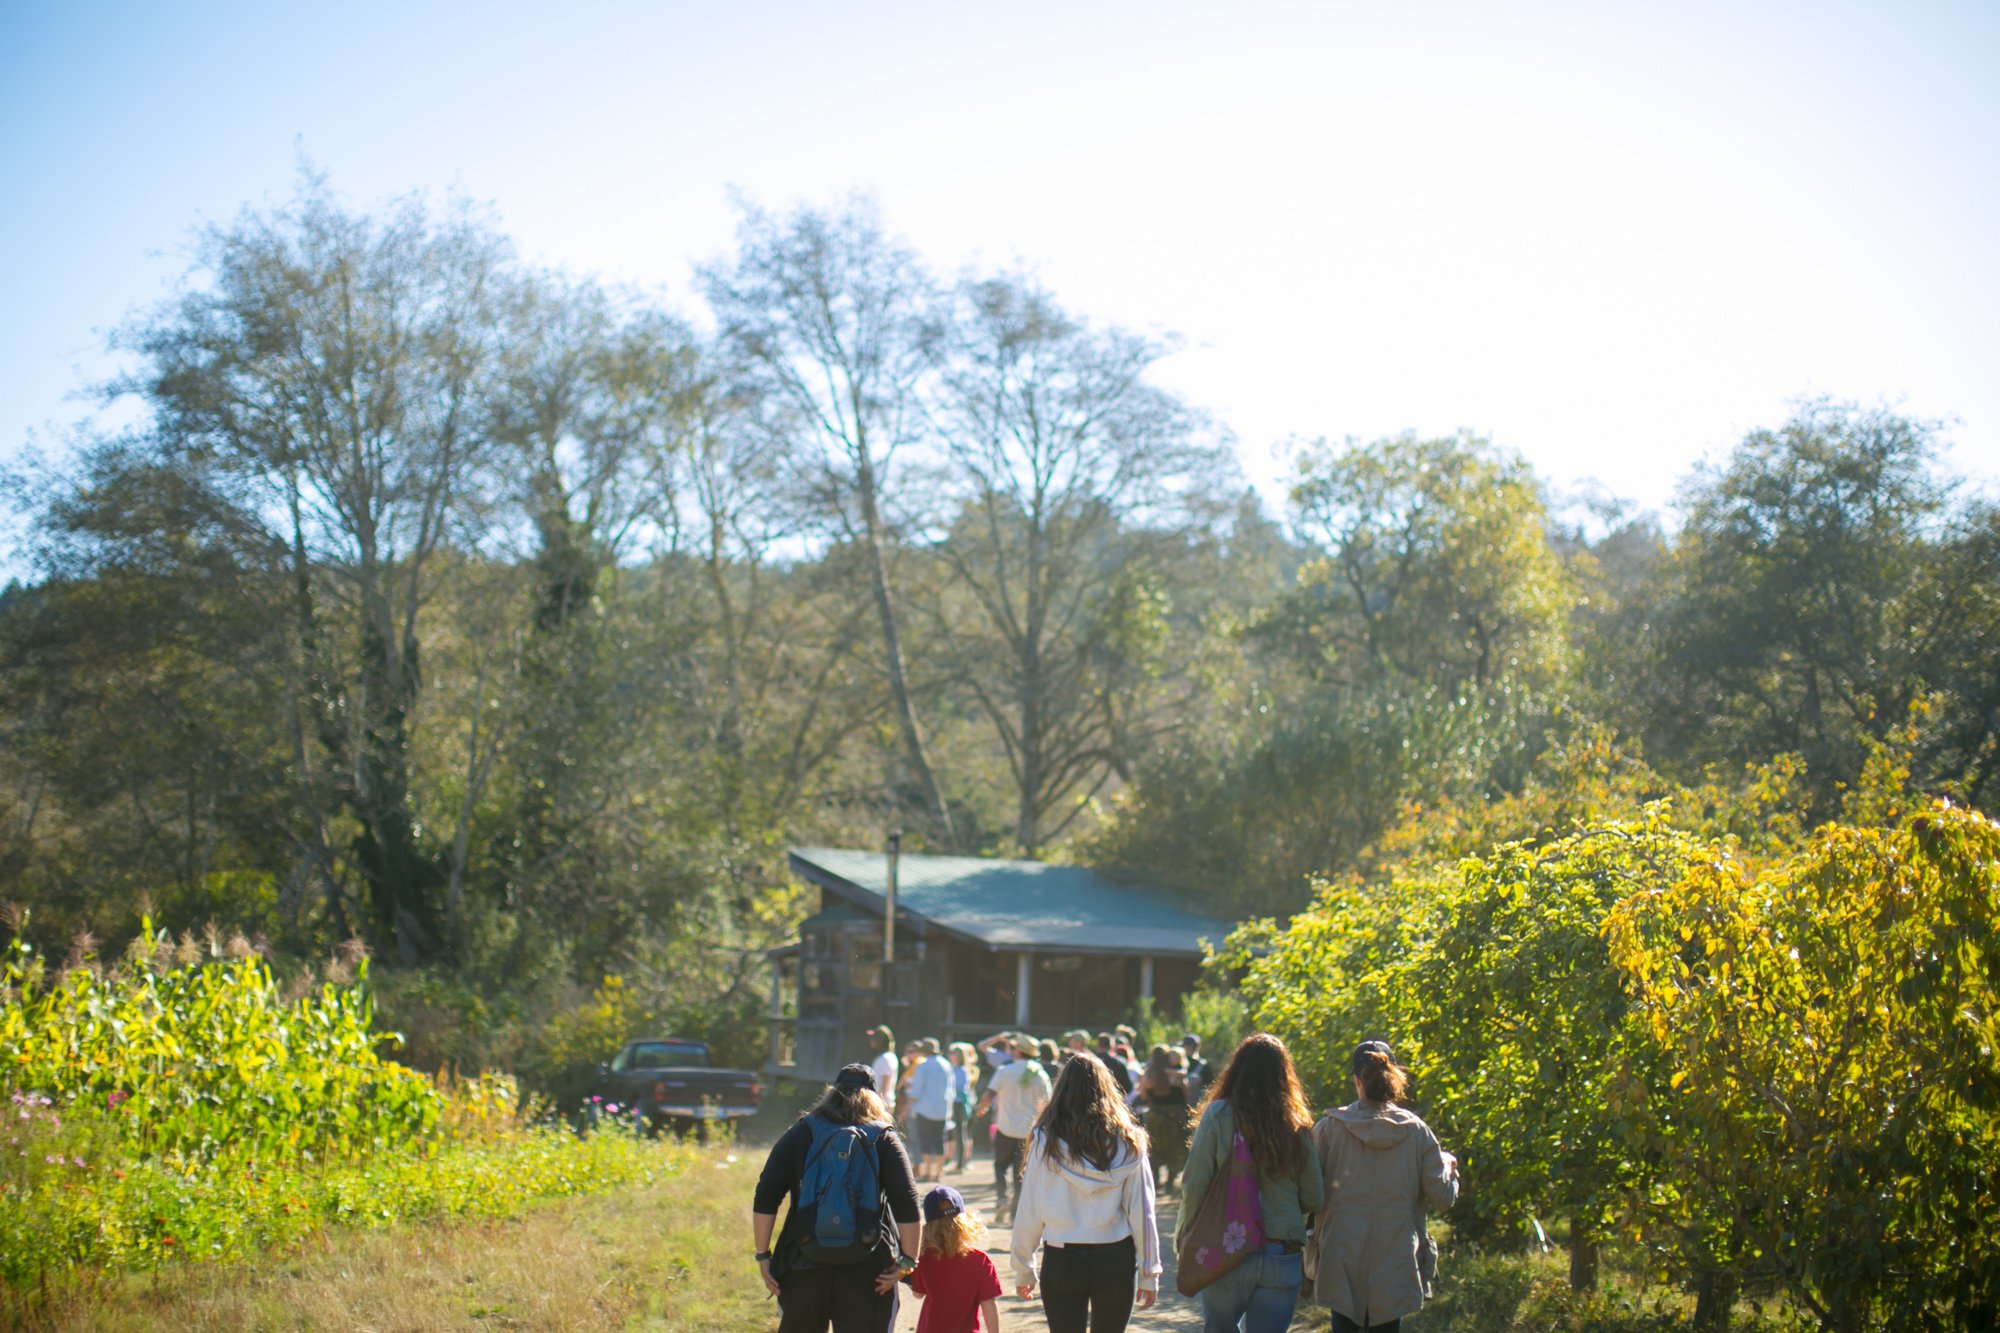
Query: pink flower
[[1234, 1237]]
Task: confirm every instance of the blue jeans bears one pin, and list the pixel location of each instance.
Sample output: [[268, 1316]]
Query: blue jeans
[[1258, 1296]]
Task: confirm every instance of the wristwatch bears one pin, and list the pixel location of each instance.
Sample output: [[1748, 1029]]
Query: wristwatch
[[906, 1265], [761, 1255]]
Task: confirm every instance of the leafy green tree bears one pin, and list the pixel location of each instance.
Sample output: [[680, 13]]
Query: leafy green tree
[[591, 408], [1826, 579], [1417, 656], [323, 381], [1834, 1027], [136, 755], [1433, 563]]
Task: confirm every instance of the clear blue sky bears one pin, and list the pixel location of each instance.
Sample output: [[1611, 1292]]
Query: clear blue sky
[[1611, 236]]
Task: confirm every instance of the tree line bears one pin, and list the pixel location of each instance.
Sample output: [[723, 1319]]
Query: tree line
[[516, 623]]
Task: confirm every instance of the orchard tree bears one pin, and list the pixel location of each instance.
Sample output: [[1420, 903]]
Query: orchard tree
[[1519, 1024], [1835, 1024]]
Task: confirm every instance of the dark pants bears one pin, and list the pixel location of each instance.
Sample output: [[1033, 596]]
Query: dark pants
[[961, 1132], [1342, 1324], [1008, 1155], [1088, 1288], [843, 1296]]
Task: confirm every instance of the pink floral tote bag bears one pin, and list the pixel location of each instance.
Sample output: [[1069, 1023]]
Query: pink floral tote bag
[[1228, 1227]]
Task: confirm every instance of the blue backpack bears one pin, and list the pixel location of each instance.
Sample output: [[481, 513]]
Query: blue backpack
[[842, 1186]]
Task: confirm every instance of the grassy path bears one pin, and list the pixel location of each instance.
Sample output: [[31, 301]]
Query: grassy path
[[671, 1257], [667, 1257]]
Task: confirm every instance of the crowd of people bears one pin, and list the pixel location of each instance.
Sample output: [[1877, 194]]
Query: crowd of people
[[1085, 1138]]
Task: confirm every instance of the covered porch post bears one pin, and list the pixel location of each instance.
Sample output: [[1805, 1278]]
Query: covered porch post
[[776, 959], [1024, 973], [1145, 978]]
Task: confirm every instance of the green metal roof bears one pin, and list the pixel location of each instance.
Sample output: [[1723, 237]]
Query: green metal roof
[[1016, 904], [839, 914]]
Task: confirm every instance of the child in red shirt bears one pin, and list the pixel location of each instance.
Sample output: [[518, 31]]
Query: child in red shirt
[[957, 1280]]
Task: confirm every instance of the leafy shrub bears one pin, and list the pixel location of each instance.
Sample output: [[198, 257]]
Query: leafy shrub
[[1759, 1075]]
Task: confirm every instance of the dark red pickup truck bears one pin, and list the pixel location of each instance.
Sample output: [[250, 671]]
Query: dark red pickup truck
[[669, 1079]]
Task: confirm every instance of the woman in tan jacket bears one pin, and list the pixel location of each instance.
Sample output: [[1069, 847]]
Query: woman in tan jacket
[[1383, 1166]]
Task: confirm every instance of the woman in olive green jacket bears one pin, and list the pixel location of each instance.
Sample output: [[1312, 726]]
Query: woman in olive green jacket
[[1259, 1097], [1383, 1166]]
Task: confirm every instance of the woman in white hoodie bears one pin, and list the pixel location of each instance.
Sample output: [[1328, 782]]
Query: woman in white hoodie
[[1087, 1196]]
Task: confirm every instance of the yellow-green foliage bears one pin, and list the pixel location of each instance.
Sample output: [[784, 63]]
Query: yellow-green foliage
[[180, 1104], [1772, 1073], [574, 1041], [1834, 1032], [201, 1053]]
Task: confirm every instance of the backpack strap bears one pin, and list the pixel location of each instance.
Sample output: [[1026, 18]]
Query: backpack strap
[[824, 1131]]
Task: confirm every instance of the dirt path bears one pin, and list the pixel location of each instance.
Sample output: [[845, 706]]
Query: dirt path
[[1175, 1312]]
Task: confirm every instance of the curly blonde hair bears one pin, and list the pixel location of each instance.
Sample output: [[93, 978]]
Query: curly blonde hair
[[949, 1237]]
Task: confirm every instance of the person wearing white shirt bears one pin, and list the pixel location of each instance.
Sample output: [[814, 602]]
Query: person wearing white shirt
[[886, 1067], [999, 1048], [1016, 1094]]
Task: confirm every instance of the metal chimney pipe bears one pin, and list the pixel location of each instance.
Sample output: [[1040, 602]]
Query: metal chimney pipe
[[889, 899]]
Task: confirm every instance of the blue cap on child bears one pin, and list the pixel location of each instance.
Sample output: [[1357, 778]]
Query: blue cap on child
[[942, 1202]]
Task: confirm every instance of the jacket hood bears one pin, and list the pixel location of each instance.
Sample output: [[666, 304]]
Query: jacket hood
[[1377, 1127], [1087, 1178]]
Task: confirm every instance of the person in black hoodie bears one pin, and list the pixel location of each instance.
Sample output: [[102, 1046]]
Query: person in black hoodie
[[852, 1289]]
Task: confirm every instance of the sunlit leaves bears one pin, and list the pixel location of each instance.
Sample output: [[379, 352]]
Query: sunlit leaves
[[208, 1053], [1772, 1072]]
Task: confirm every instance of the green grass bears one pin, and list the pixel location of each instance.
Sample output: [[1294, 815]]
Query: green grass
[[666, 1256]]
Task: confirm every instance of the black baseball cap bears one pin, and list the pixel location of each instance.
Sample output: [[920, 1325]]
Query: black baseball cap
[[1371, 1047], [851, 1077]]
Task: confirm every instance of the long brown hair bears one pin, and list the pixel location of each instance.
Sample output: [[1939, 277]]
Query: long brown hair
[[851, 1106], [1263, 1091], [1087, 1116]]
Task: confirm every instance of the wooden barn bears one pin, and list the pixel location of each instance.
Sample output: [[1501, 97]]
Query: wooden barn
[[979, 946]]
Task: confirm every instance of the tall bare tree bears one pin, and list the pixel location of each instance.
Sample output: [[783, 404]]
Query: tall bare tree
[[835, 321], [1068, 467]]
